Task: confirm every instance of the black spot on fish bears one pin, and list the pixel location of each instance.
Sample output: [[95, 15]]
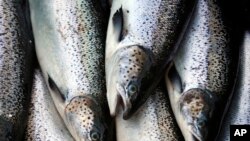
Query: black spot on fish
[[1, 34]]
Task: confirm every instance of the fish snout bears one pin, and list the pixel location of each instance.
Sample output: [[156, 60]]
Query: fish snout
[[127, 96], [197, 107], [84, 119], [123, 98], [199, 131], [127, 105]]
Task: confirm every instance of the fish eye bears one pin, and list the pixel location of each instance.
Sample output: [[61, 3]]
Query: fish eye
[[202, 123], [94, 136], [132, 88]]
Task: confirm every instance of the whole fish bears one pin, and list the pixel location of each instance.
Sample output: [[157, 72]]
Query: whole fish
[[16, 51], [44, 122], [201, 75], [239, 109], [141, 36], [69, 37], [154, 121]]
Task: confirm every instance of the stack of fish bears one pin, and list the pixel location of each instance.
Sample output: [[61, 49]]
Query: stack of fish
[[134, 70]]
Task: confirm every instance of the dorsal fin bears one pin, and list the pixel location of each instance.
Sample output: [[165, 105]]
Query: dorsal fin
[[118, 23], [55, 88], [175, 79]]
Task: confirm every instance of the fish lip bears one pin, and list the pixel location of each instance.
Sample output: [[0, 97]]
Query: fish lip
[[196, 133], [113, 112], [126, 106], [194, 138], [123, 100], [126, 111]]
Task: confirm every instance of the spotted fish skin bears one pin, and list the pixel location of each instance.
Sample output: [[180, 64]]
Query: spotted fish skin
[[201, 76], [15, 69], [154, 121], [141, 36], [239, 109], [72, 35], [44, 122]]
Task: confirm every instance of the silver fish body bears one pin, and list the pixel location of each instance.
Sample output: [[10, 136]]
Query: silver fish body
[[141, 36], [239, 109], [154, 121], [69, 38], [201, 76], [44, 122], [15, 69]]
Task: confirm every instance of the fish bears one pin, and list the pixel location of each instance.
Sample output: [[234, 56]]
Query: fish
[[44, 122], [201, 75], [69, 37], [141, 36], [154, 121], [16, 55], [238, 112]]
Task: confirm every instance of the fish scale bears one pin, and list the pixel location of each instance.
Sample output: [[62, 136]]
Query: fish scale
[[15, 69], [72, 35]]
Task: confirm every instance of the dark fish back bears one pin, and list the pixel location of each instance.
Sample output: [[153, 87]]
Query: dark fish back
[[16, 49]]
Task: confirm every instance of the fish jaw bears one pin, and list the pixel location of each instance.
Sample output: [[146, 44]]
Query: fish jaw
[[112, 97], [119, 99], [83, 118], [124, 71], [196, 108]]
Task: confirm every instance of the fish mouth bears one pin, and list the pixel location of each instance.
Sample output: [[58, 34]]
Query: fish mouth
[[197, 133], [124, 103], [194, 138], [119, 99], [126, 106]]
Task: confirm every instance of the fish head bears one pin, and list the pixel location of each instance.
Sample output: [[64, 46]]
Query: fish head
[[125, 73], [82, 114], [197, 107], [84, 119]]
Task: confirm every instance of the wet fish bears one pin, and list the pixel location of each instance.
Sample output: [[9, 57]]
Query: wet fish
[[201, 75], [239, 109], [141, 36], [69, 37], [154, 121], [44, 122], [15, 69]]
